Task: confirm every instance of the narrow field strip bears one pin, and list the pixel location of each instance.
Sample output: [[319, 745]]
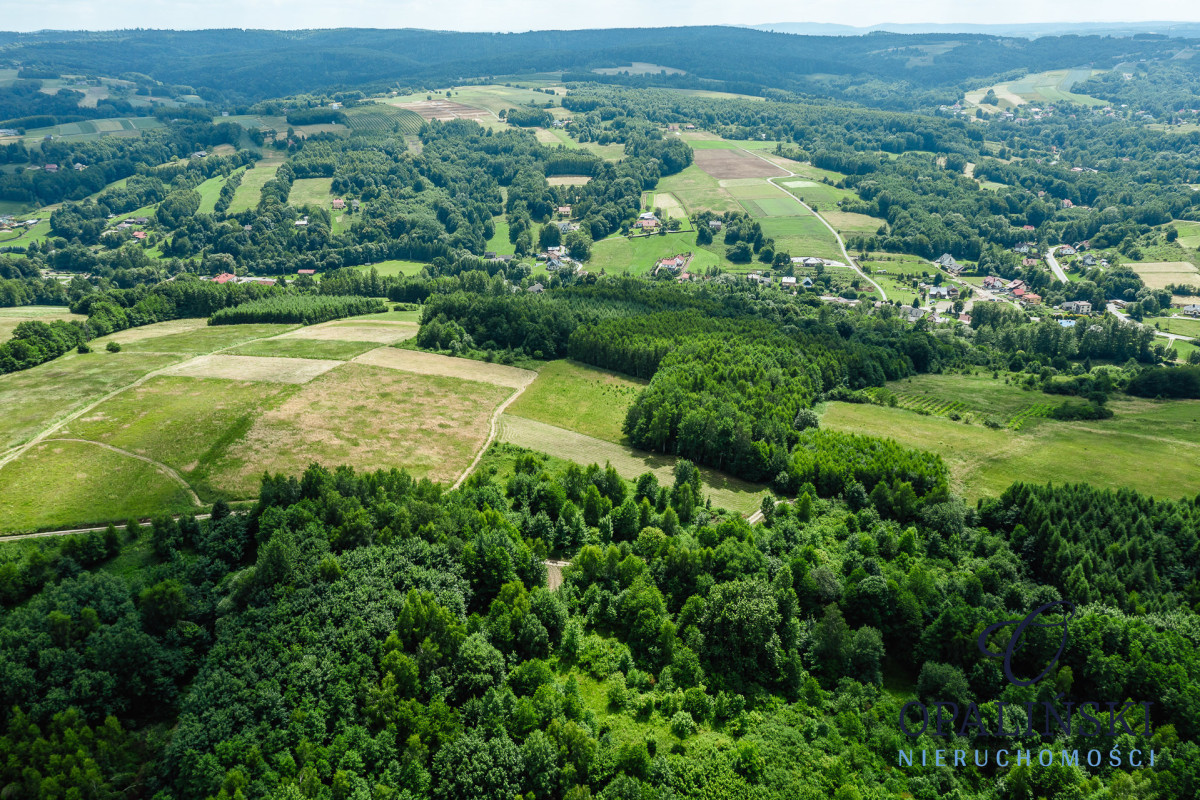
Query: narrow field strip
[[434, 364], [362, 332], [268, 369]]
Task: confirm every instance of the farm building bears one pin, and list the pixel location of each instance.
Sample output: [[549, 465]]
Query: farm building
[[715, 224], [787, 281], [224, 277], [306, 272], [1192, 310], [139, 235], [992, 282], [564, 211], [946, 261]]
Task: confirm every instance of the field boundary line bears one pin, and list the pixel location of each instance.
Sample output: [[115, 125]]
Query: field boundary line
[[493, 431], [841, 242], [158, 465]]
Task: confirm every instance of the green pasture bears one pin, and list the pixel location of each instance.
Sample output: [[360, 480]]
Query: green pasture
[[60, 483], [578, 397]]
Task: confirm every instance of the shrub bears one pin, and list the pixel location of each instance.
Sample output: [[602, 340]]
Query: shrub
[[83, 348], [682, 725], [113, 347]]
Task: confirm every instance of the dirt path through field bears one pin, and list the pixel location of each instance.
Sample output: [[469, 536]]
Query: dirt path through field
[[158, 465], [494, 429]]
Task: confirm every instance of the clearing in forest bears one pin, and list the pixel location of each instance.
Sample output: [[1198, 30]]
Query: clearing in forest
[[720, 163], [311, 191], [422, 363], [254, 368], [250, 189], [726, 492]]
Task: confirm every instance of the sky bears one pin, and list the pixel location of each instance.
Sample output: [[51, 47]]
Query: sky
[[523, 15]]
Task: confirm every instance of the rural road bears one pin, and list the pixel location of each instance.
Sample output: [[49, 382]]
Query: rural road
[[70, 531], [841, 242], [493, 429], [1054, 267]]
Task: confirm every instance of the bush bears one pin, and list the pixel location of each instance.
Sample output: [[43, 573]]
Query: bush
[[113, 347], [83, 348], [682, 725]]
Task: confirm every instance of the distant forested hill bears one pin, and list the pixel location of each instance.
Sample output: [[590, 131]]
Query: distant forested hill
[[250, 65]]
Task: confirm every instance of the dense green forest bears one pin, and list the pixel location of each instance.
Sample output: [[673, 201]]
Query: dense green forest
[[369, 634]]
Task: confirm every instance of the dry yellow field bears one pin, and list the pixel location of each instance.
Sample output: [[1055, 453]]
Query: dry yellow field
[[1160, 274], [382, 333], [254, 368], [371, 417], [433, 364]]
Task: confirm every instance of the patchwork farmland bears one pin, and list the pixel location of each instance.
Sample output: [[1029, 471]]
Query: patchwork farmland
[[187, 414]]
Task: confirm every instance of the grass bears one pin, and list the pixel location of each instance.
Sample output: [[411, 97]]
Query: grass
[[395, 267], [210, 192], [637, 256], [250, 189], [726, 492], [580, 398], [499, 242], [1184, 326], [1189, 233], [310, 191], [366, 416], [185, 423], [304, 348], [389, 316], [73, 483], [1151, 447], [1160, 274], [10, 318], [35, 398], [698, 190], [802, 236], [200, 340], [977, 393]]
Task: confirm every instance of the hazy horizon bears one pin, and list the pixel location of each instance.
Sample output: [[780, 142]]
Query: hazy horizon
[[24, 16]]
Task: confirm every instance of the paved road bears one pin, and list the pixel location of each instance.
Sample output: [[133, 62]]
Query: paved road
[[825, 222], [1054, 267]]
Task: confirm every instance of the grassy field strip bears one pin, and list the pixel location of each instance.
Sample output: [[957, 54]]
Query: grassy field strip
[[494, 428], [726, 492], [841, 242], [71, 417], [383, 332], [269, 369], [158, 465], [432, 364]]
